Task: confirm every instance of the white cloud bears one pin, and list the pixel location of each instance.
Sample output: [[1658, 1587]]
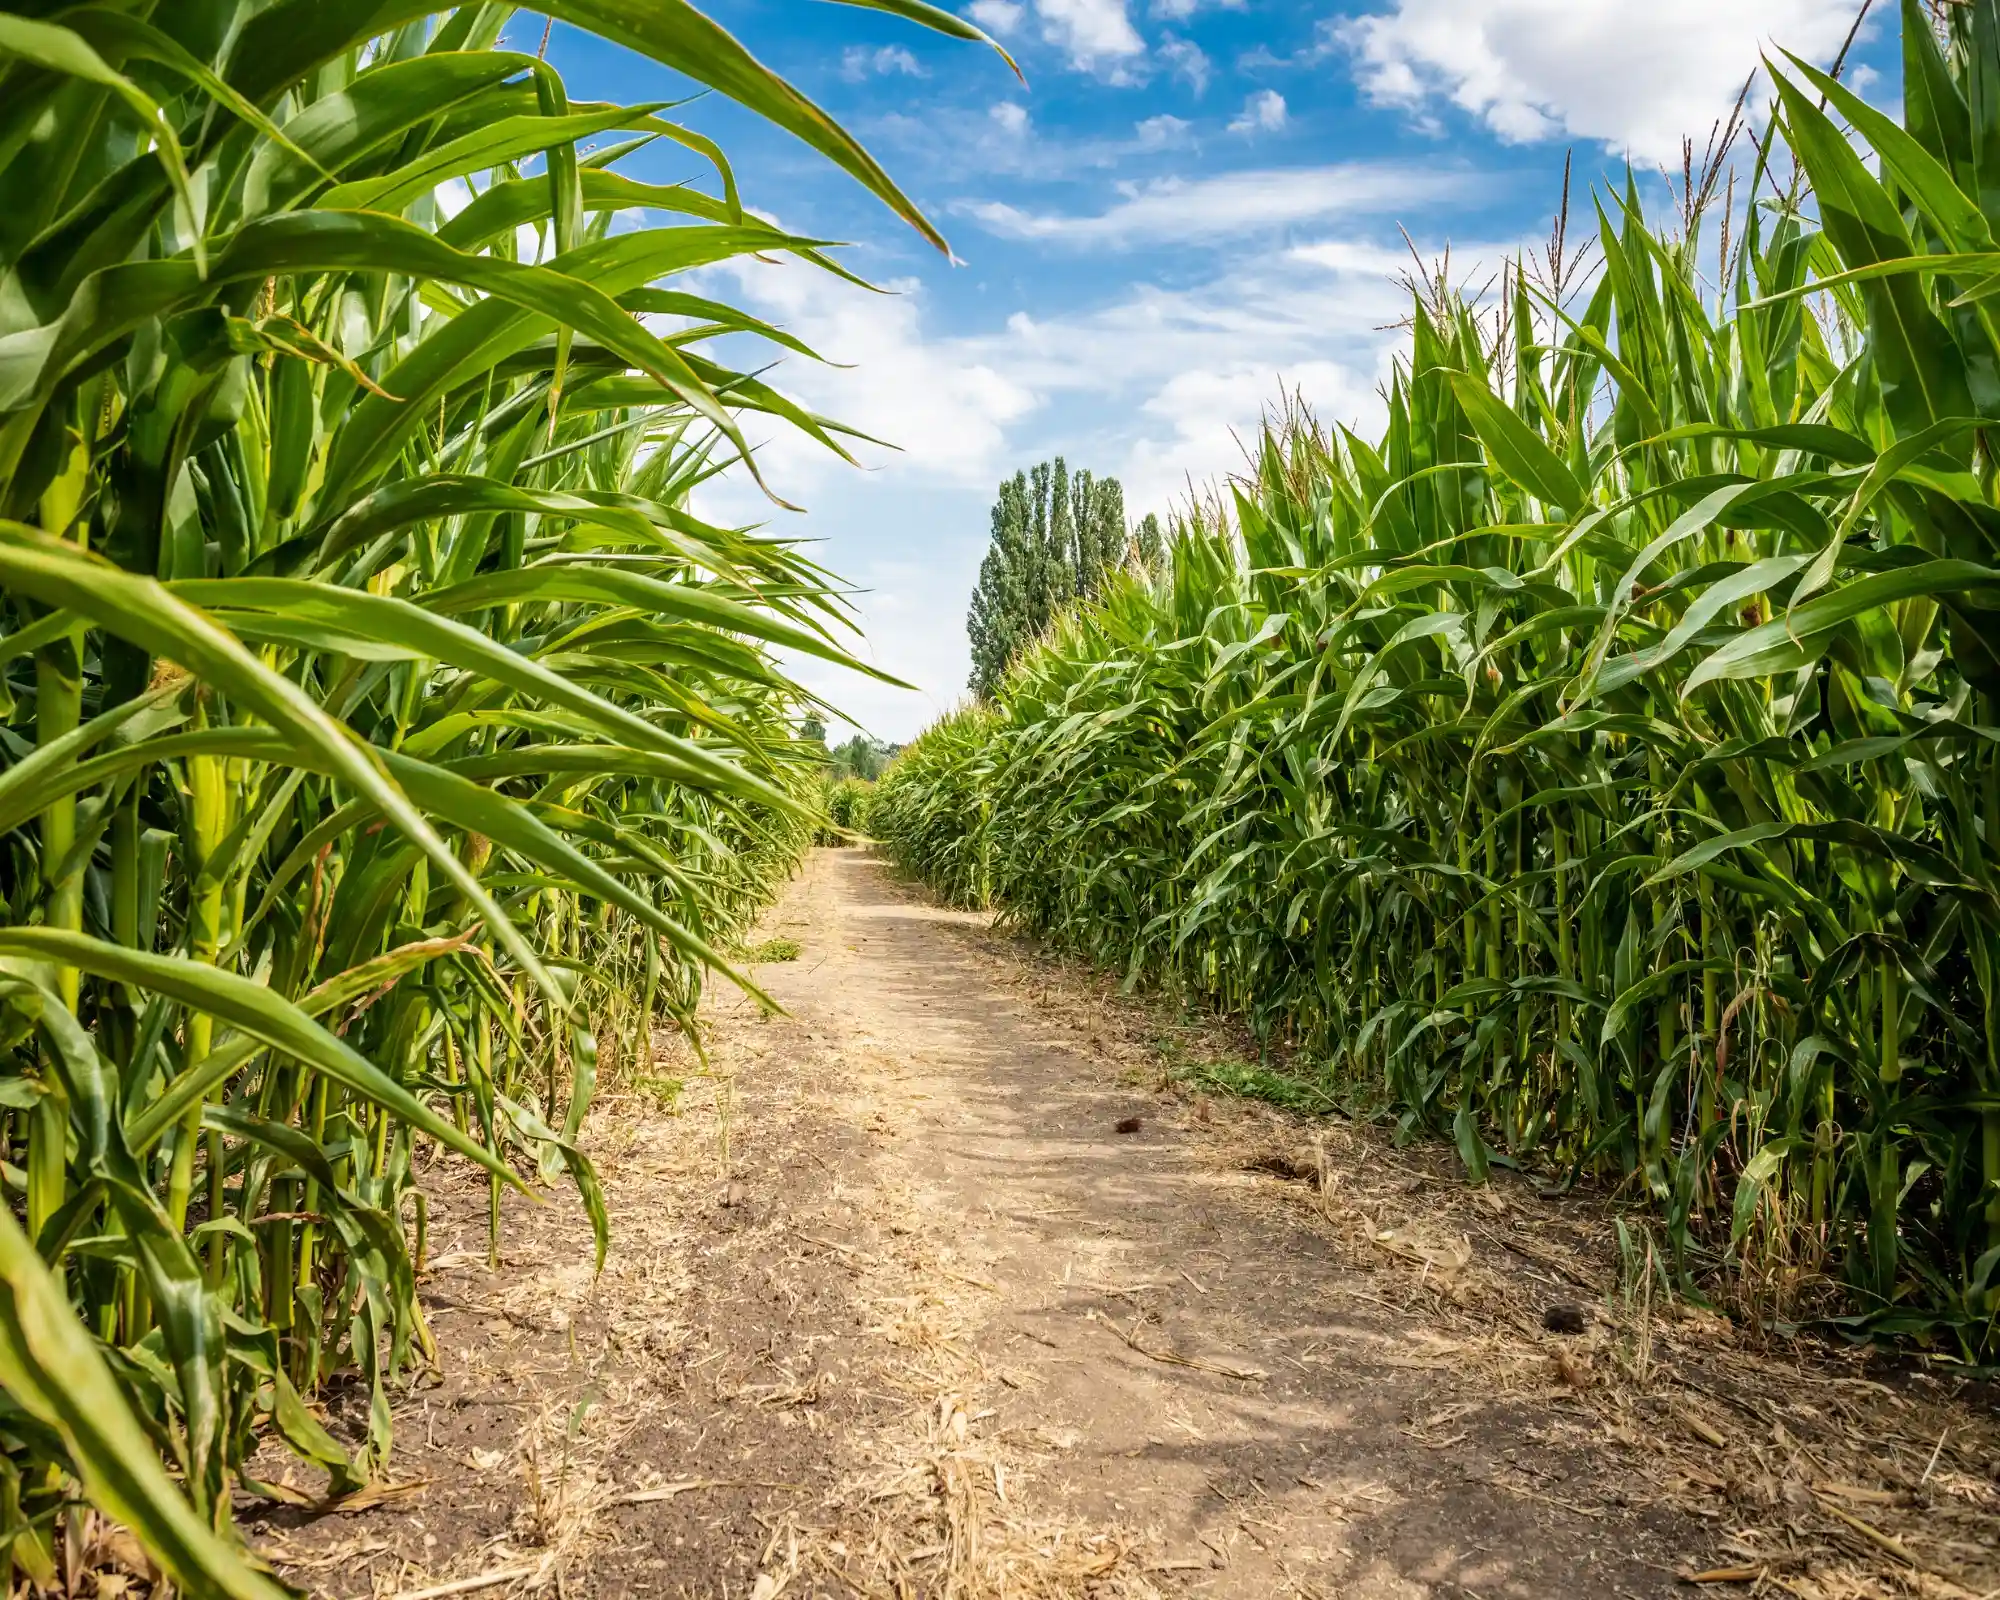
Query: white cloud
[[1354, 255], [945, 407], [1188, 61], [960, 144], [1155, 387], [909, 528], [1181, 10], [1231, 203], [1151, 370], [998, 16], [1095, 33], [955, 406], [1211, 415], [1263, 112], [1635, 76], [1186, 373], [860, 62]]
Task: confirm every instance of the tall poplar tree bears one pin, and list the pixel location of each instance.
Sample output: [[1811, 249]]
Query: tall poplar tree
[[1148, 543], [1055, 536], [1098, 508], [1010, 580]]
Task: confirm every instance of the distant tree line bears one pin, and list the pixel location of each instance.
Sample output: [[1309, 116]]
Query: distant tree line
[[1055, 537], [862, 757], [858, 757]]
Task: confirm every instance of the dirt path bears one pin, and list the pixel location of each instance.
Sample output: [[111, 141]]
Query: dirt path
[[903, 1302]]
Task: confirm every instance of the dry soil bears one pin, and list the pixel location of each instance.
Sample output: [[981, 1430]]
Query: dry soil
[[944, 1284]]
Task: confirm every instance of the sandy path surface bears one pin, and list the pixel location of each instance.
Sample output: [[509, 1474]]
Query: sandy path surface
[[933, 1287]]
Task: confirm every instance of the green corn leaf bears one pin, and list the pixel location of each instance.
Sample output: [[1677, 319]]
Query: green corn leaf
[[507, 139], [1515, 448], [252, 1007], [1925, 180], [142, 611], [937, 19], [1756, 1176], [53, 1370], [55, 48], [609, 587], [1798, 638], [419, 631], [1922, 370], [676, 35]]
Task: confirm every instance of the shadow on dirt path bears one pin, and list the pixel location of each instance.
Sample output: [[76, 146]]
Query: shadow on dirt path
[[935, 1287]]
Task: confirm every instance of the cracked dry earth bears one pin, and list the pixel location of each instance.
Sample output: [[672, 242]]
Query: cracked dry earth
[[902, 1302]]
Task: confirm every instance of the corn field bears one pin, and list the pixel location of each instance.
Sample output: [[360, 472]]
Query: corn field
[[841, 804], [931, 807], [388, 745], [1603, 765]]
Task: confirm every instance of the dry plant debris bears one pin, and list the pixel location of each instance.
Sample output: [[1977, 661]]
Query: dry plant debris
[[893, 1312], [1827, 1471]]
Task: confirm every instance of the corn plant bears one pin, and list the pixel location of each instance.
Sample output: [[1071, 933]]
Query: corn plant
[[930, 807], [385, 737], [842, 804], [1603, 764]]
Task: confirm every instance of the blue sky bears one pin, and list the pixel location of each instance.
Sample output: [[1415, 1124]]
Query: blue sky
[[1189, 205]]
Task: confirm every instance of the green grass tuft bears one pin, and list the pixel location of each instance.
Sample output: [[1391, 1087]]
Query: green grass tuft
[[1258, 1083], [663, 1092]]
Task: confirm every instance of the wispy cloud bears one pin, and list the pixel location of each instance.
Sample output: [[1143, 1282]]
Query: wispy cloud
[[943, 402], [859, 63], [1159, 385], [998, 16], [955, 401], [1263, 112], [1358, 256], [1231, 204], [1326, 42], [1187, 60], [957, 143]]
